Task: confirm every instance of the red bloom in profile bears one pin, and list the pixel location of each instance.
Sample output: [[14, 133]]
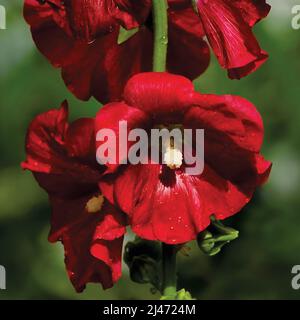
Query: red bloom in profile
[[81, 38], [228, 27], [62, 159], [163, 202]]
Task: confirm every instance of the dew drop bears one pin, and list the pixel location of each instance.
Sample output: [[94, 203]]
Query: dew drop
[[164, 40]]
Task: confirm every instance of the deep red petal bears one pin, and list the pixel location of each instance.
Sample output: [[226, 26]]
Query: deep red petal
[[179, 4], [230, 36], [263, 169], [90, 18], [252, 10], [62, 158], [233, 135], [108, 239], [113, 225], [89, 69], [110, 252], [80, 140], [238, 73], [161, 95], [89, 259], [119, 63], [231, 117], [39, 15], [173, 207], [51, 149], [132, 13], [95, 69], [188, 53], [110, 117]]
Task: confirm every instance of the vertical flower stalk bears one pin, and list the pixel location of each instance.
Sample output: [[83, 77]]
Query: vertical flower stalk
[[160, 18], [169, 270]]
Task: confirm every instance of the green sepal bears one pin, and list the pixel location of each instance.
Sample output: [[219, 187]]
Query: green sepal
[[212, 241], [124, 34]]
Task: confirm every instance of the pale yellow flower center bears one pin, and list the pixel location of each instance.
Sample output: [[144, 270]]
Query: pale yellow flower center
[[173, 158]]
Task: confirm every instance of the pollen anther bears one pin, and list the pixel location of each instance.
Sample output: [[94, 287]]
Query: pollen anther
[[95, 204], [173, 158]]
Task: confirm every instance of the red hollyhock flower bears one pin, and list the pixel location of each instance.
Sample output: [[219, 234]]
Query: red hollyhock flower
[[81, 36], [62, 159], [228, 27], [167, 204]]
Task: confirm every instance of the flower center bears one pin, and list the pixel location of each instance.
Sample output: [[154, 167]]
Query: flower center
[[173, 158], [95, 204]]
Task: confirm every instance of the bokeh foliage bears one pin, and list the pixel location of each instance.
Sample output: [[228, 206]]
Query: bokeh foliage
[[256, 266]]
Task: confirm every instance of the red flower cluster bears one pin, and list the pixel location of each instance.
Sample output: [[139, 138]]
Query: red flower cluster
[[92, 203], [81, 38], [160, 203]]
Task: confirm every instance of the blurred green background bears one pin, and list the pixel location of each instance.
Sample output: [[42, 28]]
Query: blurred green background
[[256, 266]]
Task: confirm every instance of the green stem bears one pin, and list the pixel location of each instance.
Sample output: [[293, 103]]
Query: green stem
[[169, 270], [160, 18]]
